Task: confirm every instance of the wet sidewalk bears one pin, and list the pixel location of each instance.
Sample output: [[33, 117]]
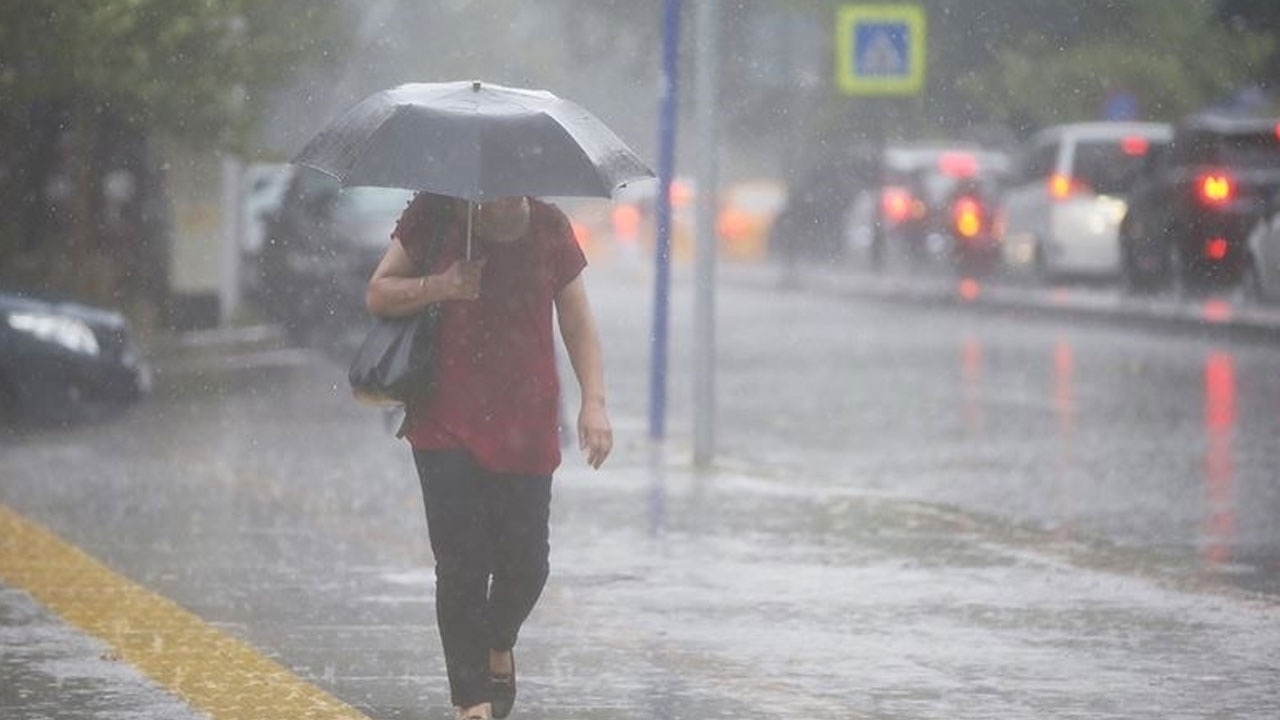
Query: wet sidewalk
[[255, 496]]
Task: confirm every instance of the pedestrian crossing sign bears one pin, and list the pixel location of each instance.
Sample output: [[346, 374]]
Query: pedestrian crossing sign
[[880, 49]]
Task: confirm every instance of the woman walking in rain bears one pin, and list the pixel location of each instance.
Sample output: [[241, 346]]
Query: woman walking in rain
[[486, 440]]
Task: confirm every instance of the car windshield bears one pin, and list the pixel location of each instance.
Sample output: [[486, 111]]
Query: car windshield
[[1108, 166], [1254, 150]]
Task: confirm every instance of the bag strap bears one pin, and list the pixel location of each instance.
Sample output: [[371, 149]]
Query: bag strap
[[435, 246]]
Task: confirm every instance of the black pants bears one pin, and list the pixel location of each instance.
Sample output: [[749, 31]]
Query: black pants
[[489, 534]]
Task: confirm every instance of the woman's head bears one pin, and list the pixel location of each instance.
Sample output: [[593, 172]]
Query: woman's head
[[502, 220]]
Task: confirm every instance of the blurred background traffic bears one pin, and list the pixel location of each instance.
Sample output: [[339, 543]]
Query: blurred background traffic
[[146, 189]]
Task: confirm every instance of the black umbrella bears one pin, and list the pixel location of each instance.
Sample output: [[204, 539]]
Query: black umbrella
[[476, 141]]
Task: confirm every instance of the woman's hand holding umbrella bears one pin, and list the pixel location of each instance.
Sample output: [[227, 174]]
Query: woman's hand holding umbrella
[[461, 281], [397, 289]]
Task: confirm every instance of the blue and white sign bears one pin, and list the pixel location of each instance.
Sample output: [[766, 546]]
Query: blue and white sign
[[880, 49]]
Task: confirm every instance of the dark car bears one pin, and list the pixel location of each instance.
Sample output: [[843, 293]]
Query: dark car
[[321, 247], [62, 360], [968, 225], [933, 203], [1195, 200]]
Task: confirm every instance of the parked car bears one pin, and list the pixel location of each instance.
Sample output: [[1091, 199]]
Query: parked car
[[924, 187], [60, 360], [322, 246], [264, 186], [1194, 204], [1061, 213], [1262, 260]]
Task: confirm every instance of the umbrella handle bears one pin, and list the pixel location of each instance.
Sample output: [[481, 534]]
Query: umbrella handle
[[470, 208]]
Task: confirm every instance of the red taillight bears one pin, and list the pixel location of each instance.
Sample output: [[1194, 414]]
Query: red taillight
[[1215, 248], [895, 204], [1215, 188], [958, 164], [1135, 145], [966, 213], [1063, 186]]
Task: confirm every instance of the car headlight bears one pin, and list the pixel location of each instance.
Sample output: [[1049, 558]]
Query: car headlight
[[67, 332]]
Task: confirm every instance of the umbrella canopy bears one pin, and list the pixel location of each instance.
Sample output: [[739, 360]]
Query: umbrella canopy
[[476, 141]]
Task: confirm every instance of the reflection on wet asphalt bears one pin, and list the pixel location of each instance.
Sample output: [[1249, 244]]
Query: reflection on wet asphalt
[[913, 516], [1075, 427]]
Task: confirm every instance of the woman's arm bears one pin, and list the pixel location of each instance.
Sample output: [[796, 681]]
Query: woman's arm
[[582, 341], [397, 288]]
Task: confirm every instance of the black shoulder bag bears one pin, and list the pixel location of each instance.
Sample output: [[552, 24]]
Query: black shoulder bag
[[394, 365]]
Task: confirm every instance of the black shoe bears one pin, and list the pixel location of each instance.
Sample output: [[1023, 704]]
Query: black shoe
[[503, 690]]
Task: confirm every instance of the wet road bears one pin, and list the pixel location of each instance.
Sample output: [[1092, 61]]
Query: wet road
[[1165, 441], [916, 514]]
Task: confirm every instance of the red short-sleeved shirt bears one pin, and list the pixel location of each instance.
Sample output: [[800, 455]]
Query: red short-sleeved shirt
[[497, 392]]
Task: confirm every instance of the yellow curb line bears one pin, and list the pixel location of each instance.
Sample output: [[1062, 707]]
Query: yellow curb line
[[213, 672]]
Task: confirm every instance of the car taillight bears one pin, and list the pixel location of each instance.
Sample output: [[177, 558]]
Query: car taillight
[[966, 214], [1062, 186], [1215, 188], [895, 204], [1215, 248], [958, 164], [1135, 145]]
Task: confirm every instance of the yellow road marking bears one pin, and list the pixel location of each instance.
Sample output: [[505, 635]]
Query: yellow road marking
[[213, 672]]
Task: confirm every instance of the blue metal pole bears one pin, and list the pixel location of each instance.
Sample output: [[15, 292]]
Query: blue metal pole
[[662, 254]]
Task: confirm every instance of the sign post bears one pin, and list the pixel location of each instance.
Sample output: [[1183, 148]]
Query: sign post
[[704, 326], [662, 250]]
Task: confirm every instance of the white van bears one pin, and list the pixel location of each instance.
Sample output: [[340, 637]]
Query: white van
[[1062, 210]]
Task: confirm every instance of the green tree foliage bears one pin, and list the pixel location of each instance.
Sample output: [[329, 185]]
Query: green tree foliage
[[1174, 57], [1021, 62], [185, 67], [90, 86], [1253, 17]]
